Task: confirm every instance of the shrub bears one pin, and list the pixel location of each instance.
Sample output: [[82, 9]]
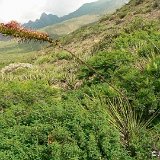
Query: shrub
[[64, 55], [61, 131], [137, 2], [122, 15], [106, 64], [28, 93]]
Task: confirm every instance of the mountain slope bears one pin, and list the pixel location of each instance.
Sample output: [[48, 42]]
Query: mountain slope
[[102, 6], [98, 7], [70, 25], [111, 24], [62, 109]]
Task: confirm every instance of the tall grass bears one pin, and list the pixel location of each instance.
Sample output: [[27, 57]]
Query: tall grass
[[125, 118]]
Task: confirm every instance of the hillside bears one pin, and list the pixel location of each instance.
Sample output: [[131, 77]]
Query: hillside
[[71, 25], [12, 52], [103, 103], [102, 6], [92, 36]]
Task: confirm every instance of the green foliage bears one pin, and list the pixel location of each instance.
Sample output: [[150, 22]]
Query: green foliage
[[63, 130], [40, 122], [44, 59], [132, 65], [64, 55], [138, 24], [106, 64], [139, 43], [27, 93], [122, 15]]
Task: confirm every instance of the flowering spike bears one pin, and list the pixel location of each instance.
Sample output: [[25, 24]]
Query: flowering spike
[[16, 30]]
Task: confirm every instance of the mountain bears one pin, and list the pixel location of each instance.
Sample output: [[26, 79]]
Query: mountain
[[70, 25], [94, 8], [98, 7], [45, 20]]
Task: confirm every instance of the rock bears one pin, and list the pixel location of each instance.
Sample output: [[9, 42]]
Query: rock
[[12, 67]]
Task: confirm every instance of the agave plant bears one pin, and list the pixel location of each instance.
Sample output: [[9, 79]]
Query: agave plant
[[124, 117], [15, 30]]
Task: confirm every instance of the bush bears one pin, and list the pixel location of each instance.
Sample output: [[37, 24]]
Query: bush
[[137, 2], [62, 131], [64, 55], [27, 93], [122, 15], [141, 85], [106, 64]]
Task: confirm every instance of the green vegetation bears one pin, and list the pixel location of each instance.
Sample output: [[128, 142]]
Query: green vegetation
[[63, 110], [12, 52]]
